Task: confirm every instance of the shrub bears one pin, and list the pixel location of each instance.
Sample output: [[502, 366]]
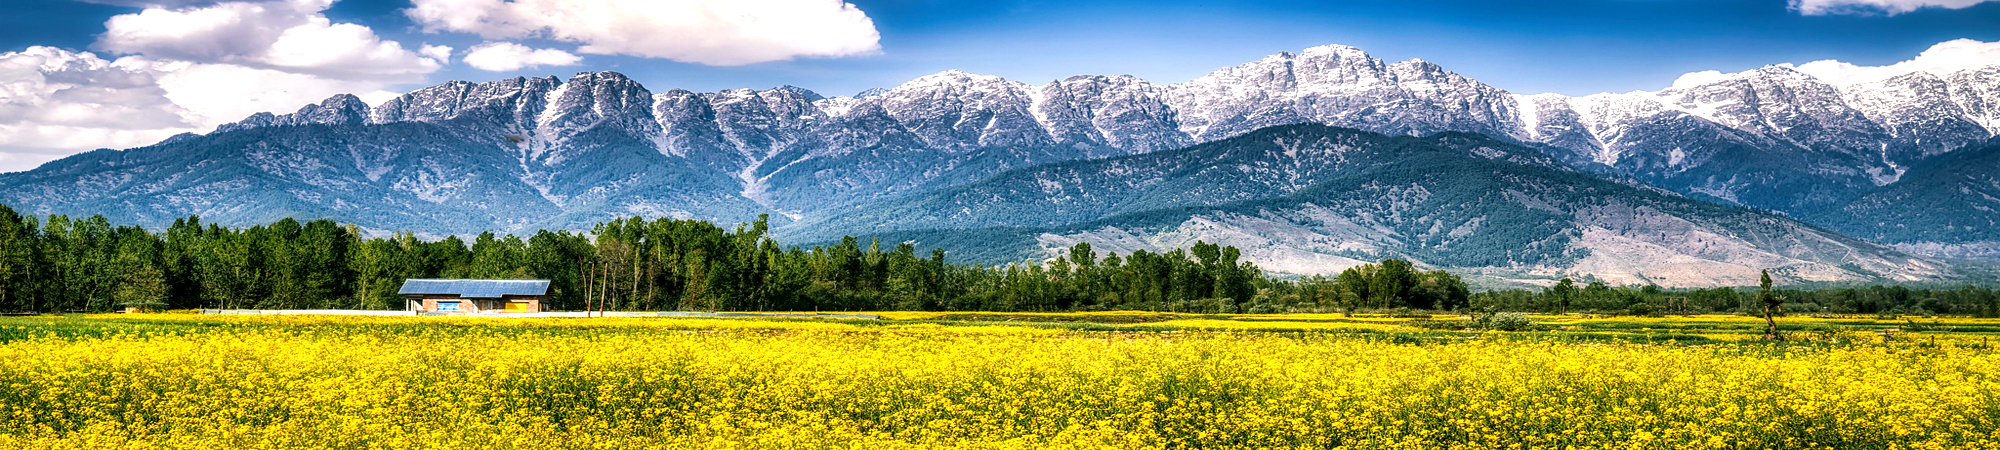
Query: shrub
[[1505, 321]]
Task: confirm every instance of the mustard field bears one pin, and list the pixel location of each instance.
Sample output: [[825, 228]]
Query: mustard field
[[931, 380]]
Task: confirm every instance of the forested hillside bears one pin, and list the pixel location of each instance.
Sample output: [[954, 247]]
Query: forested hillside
[[1314, 199], [1949, 206]]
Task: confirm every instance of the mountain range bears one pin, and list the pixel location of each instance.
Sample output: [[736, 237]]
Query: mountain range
[[1689, 185]]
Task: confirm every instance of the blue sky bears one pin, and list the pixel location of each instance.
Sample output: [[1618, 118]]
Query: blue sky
[[1565, 46], [199, 67]]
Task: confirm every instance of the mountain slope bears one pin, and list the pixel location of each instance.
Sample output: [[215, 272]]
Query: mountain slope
[[1948, 206], [514, 155], [1773, 138], [1316, 199], [527, 152]]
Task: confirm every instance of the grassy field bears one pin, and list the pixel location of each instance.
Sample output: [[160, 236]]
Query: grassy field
[[992, 380]]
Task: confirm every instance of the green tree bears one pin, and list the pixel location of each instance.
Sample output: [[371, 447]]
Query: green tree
[[377, 274], [1562, 294], [1390, 286], [18, 248], [1770, 300], [144, 288]]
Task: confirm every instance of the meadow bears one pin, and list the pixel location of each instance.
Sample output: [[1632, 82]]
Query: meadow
[[996, 380]]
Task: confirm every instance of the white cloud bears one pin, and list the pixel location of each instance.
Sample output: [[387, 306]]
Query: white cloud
[[1875, 7], [506, 56], [189, 66], [715, 32], [1941, 59], [215, 94], [291, 36], [1693, 79], [56, 102], [442, 53]]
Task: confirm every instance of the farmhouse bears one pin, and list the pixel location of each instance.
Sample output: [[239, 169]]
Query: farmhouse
[[475, 296]]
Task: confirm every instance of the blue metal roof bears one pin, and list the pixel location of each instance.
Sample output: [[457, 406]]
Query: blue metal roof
[[474, 288]]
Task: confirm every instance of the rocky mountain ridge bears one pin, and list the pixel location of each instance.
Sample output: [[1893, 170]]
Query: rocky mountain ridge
[[526, 153], [1775, 137]]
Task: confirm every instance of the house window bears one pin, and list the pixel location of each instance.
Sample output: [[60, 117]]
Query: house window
[[447, 306]]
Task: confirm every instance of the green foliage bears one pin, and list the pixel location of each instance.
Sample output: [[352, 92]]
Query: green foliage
[[625, 264], [1887, 301], [1392, 285], [1765, 295], [1944, 199], [143, 288], [1562, 294], [59, 264], [1504, 321]]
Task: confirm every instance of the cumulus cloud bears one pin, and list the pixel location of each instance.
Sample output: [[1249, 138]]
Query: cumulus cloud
[[291, 36], [441, 53], [1941, 59], [714, 32], [215, 94], [188, 66], [56, 102], [505, 56], [1875, 7]]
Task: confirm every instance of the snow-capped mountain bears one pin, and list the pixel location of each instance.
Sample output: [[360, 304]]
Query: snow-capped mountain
[[1774, 137], [509, 155], [1312, 199], [1342, 86], [525, 153]]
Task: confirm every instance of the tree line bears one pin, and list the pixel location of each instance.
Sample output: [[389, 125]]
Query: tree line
[[62, 264], [1597, 297]]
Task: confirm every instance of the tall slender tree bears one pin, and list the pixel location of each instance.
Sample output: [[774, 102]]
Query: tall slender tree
[[1770, 300]]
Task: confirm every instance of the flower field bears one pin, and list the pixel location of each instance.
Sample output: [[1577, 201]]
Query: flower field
[[184, 381]]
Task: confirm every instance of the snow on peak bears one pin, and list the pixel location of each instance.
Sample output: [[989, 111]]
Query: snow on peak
[[953, 76], [808, 94], [603, 77], [1335, 49], [1106, 79], [1530, 108], [1418, 68], [1942, 59]]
